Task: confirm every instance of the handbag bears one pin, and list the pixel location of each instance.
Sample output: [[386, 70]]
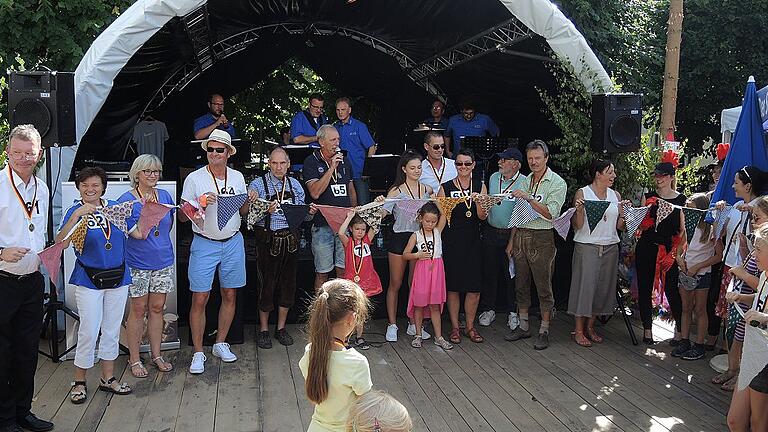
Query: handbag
[[105, 278]]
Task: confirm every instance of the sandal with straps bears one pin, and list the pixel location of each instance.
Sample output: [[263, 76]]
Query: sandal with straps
[[138, 366], [113, 386], [581, 339], [724, 377], [162, 366], [455, 336], [77, 396], [474, 336], [593, 336]]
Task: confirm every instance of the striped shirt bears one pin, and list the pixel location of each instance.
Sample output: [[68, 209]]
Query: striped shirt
[[294, 195]]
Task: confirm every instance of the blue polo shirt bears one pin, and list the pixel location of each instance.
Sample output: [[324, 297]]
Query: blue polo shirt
[[356, 140], [208, 119], [480, 125], [95, 254], [156, 252], [300, 125]]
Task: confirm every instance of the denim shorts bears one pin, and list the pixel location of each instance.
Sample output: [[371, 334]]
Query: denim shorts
[[697, 282], [327, 249], [206, 255]]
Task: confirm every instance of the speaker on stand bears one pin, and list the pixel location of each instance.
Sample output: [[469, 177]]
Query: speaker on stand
[[46, 100], [616, 122]]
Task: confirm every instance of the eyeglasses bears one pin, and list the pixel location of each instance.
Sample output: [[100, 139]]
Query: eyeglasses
[[216, 149], [438, 146], [148, 172], [22, 155], [316, 107], [458, 164]]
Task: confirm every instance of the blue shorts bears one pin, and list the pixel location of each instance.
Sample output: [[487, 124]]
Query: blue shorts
[[327, 249], [205, 255]]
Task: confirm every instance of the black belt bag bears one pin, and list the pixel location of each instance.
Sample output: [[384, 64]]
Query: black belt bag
[[105, 278]]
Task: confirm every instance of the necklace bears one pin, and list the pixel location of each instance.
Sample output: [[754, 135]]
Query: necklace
[[335, 174], [27, 207], [509, 186], [339, 342], [431, 249], [157, 200], [215, 183], [442, 170], [535, 191], [467, 201], [280, 194], [410, 192], [358, 267]]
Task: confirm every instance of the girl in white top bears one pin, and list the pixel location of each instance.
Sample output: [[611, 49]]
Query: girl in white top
[[334, 375]]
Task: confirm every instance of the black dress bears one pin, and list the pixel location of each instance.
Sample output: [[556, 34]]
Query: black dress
[[461, 243]]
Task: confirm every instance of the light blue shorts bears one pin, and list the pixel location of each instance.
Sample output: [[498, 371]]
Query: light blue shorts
[[327, 249], [205, 255]]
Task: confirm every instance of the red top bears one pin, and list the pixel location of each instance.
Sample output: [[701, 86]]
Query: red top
[[363, 262]]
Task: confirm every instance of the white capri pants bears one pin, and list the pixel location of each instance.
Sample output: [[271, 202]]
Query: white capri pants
[[99, 310]]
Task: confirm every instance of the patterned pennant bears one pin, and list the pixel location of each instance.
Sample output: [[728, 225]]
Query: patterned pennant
[[720, 219], [256, 212], [486, 202], [407, 210], [51, 258], [335, 216], [294, 215], [227, 206], [78, 236], [151, 215], [595, 211], [447, 205], [194, 214], [522, 213], [371, 214], [563, 223], [692, 218], [117, 214], [633, 217], [665, 208]]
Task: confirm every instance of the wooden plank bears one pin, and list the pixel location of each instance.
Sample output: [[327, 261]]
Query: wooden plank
[[237, 404], [197, 410], [164, 399], [55, 391], [280, 407], [45, 369], [295, 352]]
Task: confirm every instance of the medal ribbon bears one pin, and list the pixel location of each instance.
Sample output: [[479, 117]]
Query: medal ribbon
[[431, 250], [27, 211], [506, 189], [213, 177], [467, 201], [107, 232], [442, 170], [358, 268]]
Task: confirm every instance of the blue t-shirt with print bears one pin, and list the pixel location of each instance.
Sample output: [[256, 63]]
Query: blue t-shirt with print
[[156, 252], [95, 254]]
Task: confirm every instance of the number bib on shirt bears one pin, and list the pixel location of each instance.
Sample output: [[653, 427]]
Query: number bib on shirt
[[456, 194], [361, 251], [339, 190]]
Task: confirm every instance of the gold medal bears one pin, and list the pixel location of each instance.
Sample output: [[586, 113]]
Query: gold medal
[[31, 227], [356, 278], [157, 233], [468, 213], [108, 246]]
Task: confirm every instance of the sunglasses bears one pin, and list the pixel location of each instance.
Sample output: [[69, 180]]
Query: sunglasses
[[216, 149], [458, 164], [438, 146]]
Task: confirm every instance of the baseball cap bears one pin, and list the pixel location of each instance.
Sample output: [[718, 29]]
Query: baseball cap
[[511, 153]]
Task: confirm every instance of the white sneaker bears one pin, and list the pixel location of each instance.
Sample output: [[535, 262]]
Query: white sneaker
[[486, 318], [514, 321], [198, 363], [221, 350], [391, 333], [412, 331]]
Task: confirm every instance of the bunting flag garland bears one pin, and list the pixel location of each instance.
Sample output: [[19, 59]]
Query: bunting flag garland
[[194, 213], [447, 205], [563, 223], [294, 215], [522, 213], [720, 218], [335, 216], [151, 215], [595, 211], [486, 202], [665, 208], [407, 209], [256, 212], [227, 206], [692, 218], [118, 213], [51, 259], [371, 214], [78, 235], [633, 217]]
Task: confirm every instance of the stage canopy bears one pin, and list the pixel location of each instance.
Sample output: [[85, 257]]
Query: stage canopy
[[165, 56]]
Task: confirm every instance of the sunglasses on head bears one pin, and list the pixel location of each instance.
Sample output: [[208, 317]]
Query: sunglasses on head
[[458, 164], [216, 149], [438, 146]]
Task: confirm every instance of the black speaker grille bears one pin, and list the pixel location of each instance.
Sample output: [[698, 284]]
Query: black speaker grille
[[34, 112], [624, 131]]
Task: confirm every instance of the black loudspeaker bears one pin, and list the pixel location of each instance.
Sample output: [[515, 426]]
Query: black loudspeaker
[[47, 101], [616, 122]]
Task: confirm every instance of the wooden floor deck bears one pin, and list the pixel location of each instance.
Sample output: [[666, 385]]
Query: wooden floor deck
[[493, 386]]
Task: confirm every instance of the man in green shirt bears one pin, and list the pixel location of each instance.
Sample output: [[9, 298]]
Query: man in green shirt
[[533, 244]]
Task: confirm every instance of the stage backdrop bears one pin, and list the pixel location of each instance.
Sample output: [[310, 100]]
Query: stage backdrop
[[170, 331]]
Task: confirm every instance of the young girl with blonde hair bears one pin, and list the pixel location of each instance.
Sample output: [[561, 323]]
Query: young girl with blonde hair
[[377, 411]]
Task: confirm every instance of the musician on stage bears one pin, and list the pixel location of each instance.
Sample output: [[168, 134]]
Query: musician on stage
[[437, 118], [469, 123], [213, 119], [305, 124]]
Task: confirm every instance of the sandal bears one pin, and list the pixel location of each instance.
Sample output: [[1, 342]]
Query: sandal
[[581, 339], [362, 344], [474, 336], [76, 395], [455, 336], [722, 378], [161, 364], [113, 386], [138, 370], [416, 342], [730, 385], [593, 336]]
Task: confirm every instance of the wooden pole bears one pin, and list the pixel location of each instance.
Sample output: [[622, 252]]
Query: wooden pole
[[671, 67]]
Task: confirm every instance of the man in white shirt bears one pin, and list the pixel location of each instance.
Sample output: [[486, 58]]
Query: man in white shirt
[[24, 216], [436, 169], [214, 248]]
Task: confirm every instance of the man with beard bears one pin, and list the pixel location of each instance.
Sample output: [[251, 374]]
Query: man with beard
[[213, 119], [468, 123]]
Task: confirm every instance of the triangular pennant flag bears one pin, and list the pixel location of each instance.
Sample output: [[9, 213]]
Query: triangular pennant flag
[[151, 215], [194, 213], [720, 218], [78, 235], [227, 206], [294, 215], [447, 205], [563, 223], [117, 214], [692, 218], [51, 259], [522, 213], [633, 217], [665, 208], [595, 211], [371, 215], [335, 216], [256, 212], [486, 202]]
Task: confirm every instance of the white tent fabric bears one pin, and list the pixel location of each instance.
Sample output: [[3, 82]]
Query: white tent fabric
[[728, 119]]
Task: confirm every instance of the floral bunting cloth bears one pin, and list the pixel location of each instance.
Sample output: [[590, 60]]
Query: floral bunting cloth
[[407, 209], [522, 214], [692, 217], [117, 214], [563, 223], [595, 211], [665, 208], [633, 217], [486, 202], [151, 215], [227, 206], [78, 235], [256, 212], [447, 205], [194, 213], [371, 214]]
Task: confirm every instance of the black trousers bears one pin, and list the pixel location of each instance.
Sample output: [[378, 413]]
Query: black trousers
[[645, 265], [496, 271], [21, 321]]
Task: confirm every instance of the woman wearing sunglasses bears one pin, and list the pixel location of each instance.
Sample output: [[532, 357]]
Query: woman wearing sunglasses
[[149, 254]]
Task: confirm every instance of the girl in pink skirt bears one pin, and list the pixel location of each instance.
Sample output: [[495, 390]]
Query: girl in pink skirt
[[428, 286]]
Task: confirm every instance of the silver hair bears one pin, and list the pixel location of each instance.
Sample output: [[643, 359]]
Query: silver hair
[[538, 144], [280, 150], [145, 161], [25, 132], [323, 131]]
